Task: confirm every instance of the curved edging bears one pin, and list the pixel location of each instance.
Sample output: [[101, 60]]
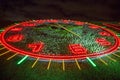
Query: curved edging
[[41, 56]]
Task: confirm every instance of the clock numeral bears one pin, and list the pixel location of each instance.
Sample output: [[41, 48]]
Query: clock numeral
[[16, 29], [104, 33], [94, 26], [40, 21], [15, 38], [36, 47], [103, 42], [79, 23], [77, 49], [52, 21], [28, 24], [65, 21]]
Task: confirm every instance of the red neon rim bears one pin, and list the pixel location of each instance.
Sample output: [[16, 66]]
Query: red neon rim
[[56, 57]]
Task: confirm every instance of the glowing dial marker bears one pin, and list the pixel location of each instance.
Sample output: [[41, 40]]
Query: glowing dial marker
[[11, 56], [22, 59], [77, 64], [35, 62], [94, 65]]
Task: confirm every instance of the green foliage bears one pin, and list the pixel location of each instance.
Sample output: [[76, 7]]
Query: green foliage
[[57, 39]]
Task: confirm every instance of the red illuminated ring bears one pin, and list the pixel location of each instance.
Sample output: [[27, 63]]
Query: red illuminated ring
[[56, 57], [119, 42]]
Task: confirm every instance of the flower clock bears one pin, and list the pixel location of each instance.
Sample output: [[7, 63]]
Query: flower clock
[[59, 40]]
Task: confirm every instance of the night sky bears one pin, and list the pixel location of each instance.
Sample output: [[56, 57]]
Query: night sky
[[85, 10]]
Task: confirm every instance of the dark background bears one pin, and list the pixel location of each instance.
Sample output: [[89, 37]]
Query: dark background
[[86, 10]]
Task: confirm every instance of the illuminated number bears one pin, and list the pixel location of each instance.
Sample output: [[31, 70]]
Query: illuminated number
[[94, 26], [52, 21], [16, 29], [103, 42], [29, 24], [15, 38], [77, 49], [40, 21], [36, 47], [79, 23], [104, 33], [65, 21]]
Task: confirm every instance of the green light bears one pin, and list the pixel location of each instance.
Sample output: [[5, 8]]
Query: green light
[[94, 65], [22, 59], [118, 35]]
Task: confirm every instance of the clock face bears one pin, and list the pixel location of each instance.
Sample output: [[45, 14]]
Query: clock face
[[59, 39]]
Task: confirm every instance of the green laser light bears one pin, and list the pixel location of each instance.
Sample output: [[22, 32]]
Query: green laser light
[[22, 59], [94, 65]]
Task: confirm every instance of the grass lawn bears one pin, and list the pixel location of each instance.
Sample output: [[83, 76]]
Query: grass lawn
[[10, 70]]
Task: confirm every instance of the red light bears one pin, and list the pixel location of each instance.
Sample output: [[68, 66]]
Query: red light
[[0, 37], [4, 42], [52, 21], [103, 42], [94, 26], [15, 38], [79, 23], [104, 33], [65, 21], [16, 29], [113, 26], [119, 42], [36, 47], [40, 21], [28, 24], [77, 49]]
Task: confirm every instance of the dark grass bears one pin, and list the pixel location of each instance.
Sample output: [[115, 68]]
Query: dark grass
[[9, 70]]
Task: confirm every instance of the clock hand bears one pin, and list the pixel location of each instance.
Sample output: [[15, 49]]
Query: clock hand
[[67, 30]]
